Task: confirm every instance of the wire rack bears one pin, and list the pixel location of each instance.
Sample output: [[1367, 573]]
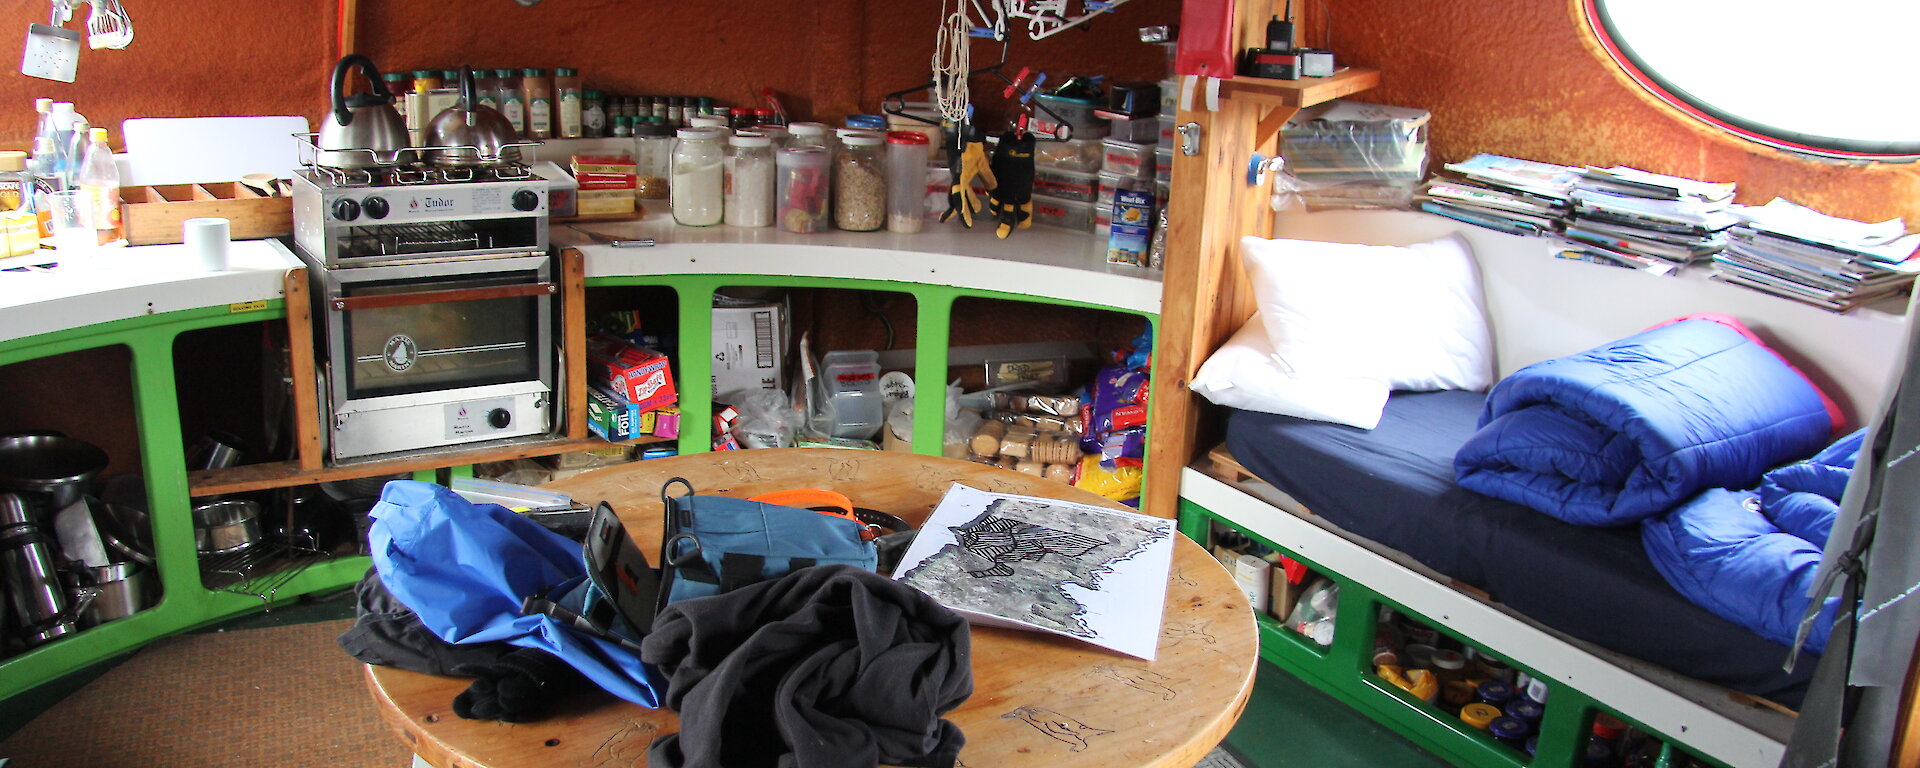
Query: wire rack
[[260, 570]]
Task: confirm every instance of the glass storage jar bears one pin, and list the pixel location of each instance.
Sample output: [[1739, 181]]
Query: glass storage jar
[[749, 181], [808, 135], [803, 173], [698, 177], [906, 181], [653, 158], [859, 184]]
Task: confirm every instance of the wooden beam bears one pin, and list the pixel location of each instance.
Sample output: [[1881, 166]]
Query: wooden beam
[[256, 477], [309, 452], [349, 27], [573, 340]]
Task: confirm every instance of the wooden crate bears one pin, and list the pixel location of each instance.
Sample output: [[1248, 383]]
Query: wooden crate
[[153, 215]]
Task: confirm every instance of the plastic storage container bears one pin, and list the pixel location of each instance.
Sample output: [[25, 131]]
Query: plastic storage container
[[1163, 164], [805, 174], [1127, 158], [652, 160], [851, 380], [698, 178], [1078, 155], [1169, 136], [1082, 123], [1068, 214], [563, 201], [907, 181], [1140, 130], [749, 181], [1066, 185], [860, 183], [808, 135]]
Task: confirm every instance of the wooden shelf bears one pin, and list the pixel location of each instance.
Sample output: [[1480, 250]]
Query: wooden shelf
[[255, 477], [1305, 92]]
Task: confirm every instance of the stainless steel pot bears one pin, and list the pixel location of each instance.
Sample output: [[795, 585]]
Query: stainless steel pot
[[119, 590], [34, 593], [122, 518], [226, 526], [362, 130], [480, 133], [54, 469]]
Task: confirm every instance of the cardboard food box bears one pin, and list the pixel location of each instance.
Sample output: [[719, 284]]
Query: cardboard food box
[[595, 181], [153, 215], [611, 418], [602, 202], [749, 347], [603, 164], [637, 374]]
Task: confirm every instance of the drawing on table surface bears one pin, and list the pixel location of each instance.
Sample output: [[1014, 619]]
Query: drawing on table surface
[[742, 472], [843, 469], [1178, 631], [1145, 680], [625, 746], [1033, 563], [1058, 726]]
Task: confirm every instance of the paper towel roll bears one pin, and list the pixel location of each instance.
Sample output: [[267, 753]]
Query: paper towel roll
[[207, 240]]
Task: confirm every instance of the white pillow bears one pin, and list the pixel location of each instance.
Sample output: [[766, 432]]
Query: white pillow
[[1412, 317], [1243, 374]]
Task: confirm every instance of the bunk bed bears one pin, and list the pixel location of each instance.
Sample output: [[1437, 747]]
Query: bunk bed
[[1541, 309]]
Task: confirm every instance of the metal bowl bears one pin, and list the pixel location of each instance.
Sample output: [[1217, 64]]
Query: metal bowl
[[54, 467], [226, 526]]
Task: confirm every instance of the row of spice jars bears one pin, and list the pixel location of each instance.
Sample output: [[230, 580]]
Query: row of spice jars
[[865, 182]]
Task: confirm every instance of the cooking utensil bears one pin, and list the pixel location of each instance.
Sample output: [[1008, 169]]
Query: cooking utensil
[[470, 133], [108, 25], [54, 468], [606, 239], [122, 518], [52, 52], [38, 601], [263, 183], [226, 526], [362, 130], [119, 590]]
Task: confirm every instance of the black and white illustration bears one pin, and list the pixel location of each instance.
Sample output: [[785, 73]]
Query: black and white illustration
[[1084, 571]]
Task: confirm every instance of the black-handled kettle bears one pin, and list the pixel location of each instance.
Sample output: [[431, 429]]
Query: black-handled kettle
[[362, 130]]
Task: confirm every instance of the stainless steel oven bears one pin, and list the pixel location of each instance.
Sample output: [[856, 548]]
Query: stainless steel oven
[[429, 354]]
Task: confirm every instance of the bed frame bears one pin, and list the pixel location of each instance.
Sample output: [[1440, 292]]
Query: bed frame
[[1541, 308]]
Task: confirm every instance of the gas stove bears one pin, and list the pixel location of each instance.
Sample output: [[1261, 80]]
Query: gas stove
[[353, 217]]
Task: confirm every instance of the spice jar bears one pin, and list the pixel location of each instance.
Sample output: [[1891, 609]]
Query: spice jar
[[622, 127], [859, 184], [566, 90], [425, 80], [593, 115], [707, 121], [698, 177], [749, 181], [652, 158], [513, 100], [906, 181], [538, 90], [398, 84], [804, 173], [808, 135]]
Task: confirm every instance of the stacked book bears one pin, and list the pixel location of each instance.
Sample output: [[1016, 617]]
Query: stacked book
[[1508, 194], [1646, 220], [1836, 264]]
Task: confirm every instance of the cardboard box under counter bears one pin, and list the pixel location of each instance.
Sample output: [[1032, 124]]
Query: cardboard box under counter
[[153, 215]]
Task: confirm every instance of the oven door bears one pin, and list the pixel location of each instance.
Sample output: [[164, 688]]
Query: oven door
[[426, 355]]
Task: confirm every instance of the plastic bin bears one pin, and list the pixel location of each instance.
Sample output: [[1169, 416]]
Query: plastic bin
[[1169, 137], [1066, 185], [1078, 155], [1163, 164], [1127, 158], [851, 379], [1078, 113], [1067, 214], [1141, 130], [562, 202]]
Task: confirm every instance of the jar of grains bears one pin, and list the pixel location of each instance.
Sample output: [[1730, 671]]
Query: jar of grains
[[653, 156], [860, 184], [698, 177]]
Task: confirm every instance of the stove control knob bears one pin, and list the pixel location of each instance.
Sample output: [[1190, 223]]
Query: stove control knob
[[499, 418], [525, 200], [377, 207], [346, 210]]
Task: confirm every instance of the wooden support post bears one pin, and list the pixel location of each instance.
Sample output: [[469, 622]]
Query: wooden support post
[[573, 339], [308, 450]]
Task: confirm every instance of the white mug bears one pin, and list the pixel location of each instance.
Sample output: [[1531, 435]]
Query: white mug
[[207, 239]]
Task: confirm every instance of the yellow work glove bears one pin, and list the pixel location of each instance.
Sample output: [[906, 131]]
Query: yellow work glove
[[972, 163]]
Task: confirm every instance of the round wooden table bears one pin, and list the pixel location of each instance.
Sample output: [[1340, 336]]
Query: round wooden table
[[1039, 699]]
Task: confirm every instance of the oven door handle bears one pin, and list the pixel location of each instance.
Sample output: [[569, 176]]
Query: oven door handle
[[351, 303]]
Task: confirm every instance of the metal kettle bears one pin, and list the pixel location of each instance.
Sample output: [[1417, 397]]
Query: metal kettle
[[362, 130], [471, 133]]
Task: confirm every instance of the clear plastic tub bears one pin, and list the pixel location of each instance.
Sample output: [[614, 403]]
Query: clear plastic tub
[[851, 382], [1169, 136], [1127, 158], [906, 181], [1067, 214], [1140, 130], [1078, 113], [1066, 185], [1078, 155], [803, 177], [1163, 164]]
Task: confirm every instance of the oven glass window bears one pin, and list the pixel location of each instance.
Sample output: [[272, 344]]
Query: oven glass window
[[441, 345], [434, 237]]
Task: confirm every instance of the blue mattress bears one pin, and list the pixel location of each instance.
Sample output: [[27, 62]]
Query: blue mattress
[[1395, 485]]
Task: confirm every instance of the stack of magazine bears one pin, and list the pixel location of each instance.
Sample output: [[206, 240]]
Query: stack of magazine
[[1829, 262], [1508, 194]]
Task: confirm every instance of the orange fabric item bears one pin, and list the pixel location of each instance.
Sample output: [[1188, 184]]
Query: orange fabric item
[[811, 498]]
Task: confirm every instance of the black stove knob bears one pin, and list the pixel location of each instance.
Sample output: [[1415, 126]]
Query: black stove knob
[[499, 418], [346, 210], [377, 207], [525, 200]]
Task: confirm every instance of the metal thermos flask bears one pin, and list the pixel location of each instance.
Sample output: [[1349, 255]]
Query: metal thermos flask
[[34, 593]]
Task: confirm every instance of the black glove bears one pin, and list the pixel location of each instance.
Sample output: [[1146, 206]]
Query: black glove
[[1011, 200], [518, 688]]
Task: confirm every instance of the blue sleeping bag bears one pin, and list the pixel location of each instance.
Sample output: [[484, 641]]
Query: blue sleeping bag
[[1618, 433], [1750, 556], [464, 568]]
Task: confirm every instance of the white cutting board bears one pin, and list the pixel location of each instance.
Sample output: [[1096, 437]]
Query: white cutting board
[[190, 150]]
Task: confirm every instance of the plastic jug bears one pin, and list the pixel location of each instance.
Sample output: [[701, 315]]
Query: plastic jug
[[851, 380]]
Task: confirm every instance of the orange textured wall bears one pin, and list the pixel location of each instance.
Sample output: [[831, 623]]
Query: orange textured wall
[[1514, 78]]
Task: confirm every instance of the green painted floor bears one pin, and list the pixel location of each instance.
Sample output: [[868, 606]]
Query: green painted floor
[[1290, 724]]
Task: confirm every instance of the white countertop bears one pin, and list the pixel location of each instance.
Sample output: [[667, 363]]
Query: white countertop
[[1038, 261], [119, 283]]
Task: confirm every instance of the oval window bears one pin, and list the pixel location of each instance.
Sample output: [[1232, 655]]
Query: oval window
[[1833, 78]]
